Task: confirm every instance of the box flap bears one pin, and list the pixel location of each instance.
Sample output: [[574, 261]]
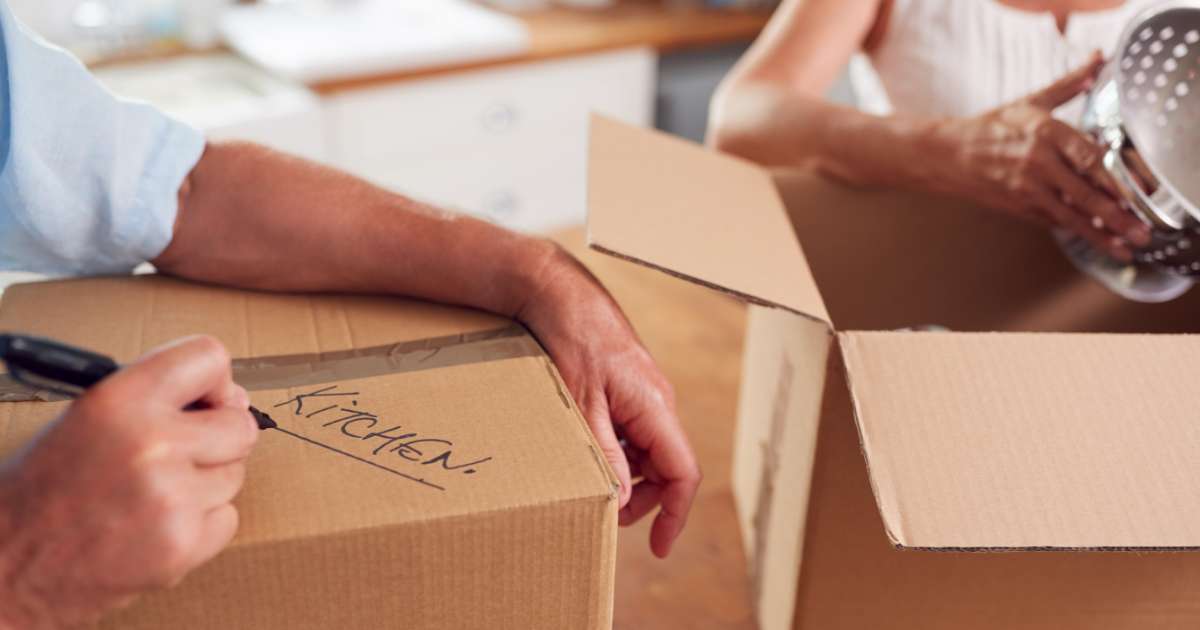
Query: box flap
[[1030, 441], [473, 419], [784, 379], [712, 219]]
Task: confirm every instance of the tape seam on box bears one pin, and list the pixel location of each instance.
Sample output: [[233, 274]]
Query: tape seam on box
[[301, 370]]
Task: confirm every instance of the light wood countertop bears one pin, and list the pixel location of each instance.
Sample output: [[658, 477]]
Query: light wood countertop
[[561, 32], [555, 33]]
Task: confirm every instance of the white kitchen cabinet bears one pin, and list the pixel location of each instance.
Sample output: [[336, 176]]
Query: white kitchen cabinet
[[16, 277], [506, 143], [227, 99]]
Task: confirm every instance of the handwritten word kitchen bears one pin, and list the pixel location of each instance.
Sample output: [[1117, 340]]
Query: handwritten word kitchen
[[339, 410]]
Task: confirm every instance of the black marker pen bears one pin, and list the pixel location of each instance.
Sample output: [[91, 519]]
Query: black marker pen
[[66, 370]]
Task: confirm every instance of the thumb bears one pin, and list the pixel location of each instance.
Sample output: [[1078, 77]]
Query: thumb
[[1070, 86]]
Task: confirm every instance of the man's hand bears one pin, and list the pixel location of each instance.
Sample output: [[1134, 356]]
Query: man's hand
[[264, 208], [627, 401], [127, 492]]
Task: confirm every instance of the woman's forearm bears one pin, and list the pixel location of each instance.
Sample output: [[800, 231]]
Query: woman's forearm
[[255, 218], [769, 126], [1016, 158]]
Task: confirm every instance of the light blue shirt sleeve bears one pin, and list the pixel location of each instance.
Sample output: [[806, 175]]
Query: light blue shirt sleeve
[[89, 183]]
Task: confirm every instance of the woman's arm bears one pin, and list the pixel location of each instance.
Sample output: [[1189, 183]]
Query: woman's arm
[[772, 108], [1017, 158]]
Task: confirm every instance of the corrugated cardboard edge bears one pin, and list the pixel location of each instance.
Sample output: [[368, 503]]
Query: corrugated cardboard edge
[[671, 150], [893, 519], [614, 485], [598, 455], [738, 295]]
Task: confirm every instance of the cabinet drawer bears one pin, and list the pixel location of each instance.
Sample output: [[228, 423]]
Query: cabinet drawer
[[15, 277], [490, 110], [298, 133], [228, 99], [539, 192]]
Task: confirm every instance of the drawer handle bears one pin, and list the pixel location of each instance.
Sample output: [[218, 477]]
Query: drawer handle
[[499, 118], [502, 204]]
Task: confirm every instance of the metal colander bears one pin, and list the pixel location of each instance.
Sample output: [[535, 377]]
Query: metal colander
[[1144, 109]]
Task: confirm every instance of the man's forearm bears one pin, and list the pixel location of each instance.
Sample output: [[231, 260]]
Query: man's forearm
[[255, 218]]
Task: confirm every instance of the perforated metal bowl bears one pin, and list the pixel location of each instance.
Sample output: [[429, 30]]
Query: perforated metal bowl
[[1144, 109]]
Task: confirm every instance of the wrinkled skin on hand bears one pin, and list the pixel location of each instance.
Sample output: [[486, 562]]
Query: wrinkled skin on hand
[[1021, 160], [628, 403]]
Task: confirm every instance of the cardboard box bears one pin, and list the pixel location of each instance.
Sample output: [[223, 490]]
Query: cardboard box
[[430, 470], [1077, 455]]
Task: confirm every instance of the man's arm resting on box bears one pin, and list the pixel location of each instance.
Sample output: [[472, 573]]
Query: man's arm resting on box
[[251, 217]]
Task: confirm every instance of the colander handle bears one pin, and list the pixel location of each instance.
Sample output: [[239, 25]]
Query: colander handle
[[1144, 206]]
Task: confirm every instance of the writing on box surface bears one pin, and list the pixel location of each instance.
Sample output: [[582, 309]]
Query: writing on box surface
[[398, 449]]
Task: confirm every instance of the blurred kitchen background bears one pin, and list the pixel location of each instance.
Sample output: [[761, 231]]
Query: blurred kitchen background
[[479, 107]]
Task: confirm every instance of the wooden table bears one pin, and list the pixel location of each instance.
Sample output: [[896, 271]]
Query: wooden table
[[696, 335]]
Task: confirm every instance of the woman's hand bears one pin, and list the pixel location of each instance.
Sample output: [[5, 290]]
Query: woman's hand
[[1021, 160]]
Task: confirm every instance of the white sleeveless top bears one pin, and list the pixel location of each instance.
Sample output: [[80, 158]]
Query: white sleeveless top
[[964, 57]]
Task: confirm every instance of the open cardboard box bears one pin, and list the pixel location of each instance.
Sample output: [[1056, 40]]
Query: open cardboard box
[[1017, 474], [430, 469]]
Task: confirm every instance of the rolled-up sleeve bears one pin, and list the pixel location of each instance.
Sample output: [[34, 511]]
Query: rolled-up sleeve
[[89, 182]]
